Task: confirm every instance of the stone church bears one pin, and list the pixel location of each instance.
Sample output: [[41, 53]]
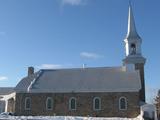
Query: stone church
[[99, 91]]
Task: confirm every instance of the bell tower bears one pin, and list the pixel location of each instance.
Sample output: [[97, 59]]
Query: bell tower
[[133, 51]]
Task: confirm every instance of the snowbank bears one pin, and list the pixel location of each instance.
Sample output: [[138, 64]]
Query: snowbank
[[149, 110], [61, 118]]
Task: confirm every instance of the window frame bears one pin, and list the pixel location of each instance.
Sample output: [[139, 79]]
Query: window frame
[[94, 103], [26, 100], [70, 103], [120, 103], [49, 98]]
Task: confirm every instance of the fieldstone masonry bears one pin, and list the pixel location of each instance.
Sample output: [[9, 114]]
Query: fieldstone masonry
[[109, 104], [140, 67]]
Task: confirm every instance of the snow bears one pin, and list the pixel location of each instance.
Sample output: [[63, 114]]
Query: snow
[[150, 109], [63, 118]]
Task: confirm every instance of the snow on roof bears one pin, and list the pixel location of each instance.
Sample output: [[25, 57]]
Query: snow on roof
[[102, 79]]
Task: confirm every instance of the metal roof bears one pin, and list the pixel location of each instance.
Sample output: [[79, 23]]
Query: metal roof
[[102, 79]]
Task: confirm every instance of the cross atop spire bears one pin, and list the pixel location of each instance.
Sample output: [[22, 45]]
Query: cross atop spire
[[132, 33]]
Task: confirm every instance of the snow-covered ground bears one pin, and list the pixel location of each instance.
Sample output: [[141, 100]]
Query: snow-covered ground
[[62, 118]]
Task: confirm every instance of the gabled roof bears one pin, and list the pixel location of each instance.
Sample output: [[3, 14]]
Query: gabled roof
[[6, 90], [103, 79]]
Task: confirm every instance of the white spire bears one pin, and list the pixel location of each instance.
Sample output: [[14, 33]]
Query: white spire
[[132, 33]]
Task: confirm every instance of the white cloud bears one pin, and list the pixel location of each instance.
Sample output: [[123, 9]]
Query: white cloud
[[3, 78], [73, 2], [90, 55], [49, 66]]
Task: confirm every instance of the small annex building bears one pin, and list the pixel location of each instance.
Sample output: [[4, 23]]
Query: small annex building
[[7, 99], [99, 91]]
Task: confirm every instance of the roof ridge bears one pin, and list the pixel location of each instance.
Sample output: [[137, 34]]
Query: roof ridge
[[113, 67], [34, 80]]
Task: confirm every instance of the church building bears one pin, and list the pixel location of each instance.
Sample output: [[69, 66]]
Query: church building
[[97, 91]]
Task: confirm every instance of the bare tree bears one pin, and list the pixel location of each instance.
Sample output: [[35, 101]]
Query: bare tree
[[157, 104]]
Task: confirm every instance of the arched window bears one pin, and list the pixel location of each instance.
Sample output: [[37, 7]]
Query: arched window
[[72, 103], [133, 49], [49, 103], [97, 103], [27, 103], [122, 103]]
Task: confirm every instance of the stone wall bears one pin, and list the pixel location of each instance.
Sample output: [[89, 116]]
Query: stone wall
[[109, 104], [11, 105], [140, 67]]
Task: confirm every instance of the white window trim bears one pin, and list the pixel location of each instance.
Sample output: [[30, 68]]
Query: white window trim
[[94, 103], [70, 103], [47, 103], [120, 103], [27, 98]]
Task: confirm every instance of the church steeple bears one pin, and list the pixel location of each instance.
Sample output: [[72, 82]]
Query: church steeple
[[132, 40], [132, 32], [133, 51]]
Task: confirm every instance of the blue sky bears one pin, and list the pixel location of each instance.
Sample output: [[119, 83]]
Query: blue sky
[[69, 33]]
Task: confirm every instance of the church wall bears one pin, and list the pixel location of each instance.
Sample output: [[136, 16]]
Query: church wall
[[140, 67], [109, 104]]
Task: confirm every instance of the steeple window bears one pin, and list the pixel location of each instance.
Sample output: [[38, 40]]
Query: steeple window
[[133, 49]]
